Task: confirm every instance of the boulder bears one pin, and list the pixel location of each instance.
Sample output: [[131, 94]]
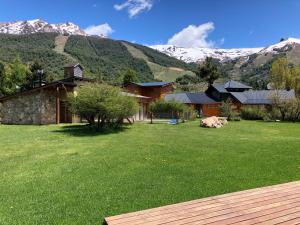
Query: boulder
[[213, 122]]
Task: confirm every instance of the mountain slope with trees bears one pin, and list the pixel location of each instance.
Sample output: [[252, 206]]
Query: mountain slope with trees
[[102, 58]]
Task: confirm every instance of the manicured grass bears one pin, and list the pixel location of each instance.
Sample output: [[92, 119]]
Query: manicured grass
[[60, 175]]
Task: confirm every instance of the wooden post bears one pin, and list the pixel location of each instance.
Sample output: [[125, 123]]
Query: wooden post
[[57, 106]]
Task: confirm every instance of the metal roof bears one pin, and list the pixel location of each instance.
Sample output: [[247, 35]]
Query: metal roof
[[191, 98], [263, 97], [153, 84], [235, 84], [220, 88]]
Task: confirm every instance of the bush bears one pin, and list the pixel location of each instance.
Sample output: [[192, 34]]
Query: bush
[[104, 103], [252, 113], [227, 111], [171, 108]]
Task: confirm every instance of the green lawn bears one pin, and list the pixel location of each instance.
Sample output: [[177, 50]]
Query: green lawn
[[61, 175]]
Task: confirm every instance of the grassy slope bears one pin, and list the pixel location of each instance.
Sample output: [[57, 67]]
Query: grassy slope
[[54, 175], [60, 43]]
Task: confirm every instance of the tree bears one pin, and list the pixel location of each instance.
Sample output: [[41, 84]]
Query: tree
[[17, 74], [208, 71], [280, 74], [103, 103], [295, 73], [3, 79], [130, 76]]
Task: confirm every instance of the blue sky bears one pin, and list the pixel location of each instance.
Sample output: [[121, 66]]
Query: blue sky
[[203, 23]]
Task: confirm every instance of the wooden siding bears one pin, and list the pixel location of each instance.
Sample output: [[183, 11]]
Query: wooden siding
[[151, 92], [211, 109], [73, 72], [279, 204]]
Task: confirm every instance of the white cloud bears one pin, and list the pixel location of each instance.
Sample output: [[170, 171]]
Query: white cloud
[[194, 36], [102, 29], [135, 7]]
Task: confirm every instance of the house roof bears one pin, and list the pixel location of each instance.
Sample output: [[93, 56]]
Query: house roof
[[153, 84], [235, 84], [263, 97], [50, 85], [191, 98], [133, 95], [223, 88], [220, 88], [73, 65]]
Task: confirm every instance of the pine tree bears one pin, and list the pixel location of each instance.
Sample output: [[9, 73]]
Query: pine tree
[[208, 71]]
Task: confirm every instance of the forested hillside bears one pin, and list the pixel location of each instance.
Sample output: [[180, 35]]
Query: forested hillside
[[33, 47], [102, 58]]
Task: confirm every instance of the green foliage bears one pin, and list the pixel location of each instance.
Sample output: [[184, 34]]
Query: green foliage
[[32, 47], [289, 109], [208, 71], [107, 57], [102, 102], [172, 107], [130, 76], [253, 113], [280, 74], [13, 77], [187, 79], [103, 59], [227, 111]]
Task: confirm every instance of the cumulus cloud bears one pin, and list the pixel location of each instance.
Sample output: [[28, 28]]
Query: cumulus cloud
[[135, 7], [102, 29], [194, 36]]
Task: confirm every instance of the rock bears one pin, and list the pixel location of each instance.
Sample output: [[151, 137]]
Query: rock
[[213, 122]]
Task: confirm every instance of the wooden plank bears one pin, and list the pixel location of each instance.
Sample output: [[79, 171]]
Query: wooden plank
[[275, 204], [237, 195], [206, 212]]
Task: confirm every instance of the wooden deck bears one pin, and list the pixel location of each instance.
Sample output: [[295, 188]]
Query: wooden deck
[[279, 204]]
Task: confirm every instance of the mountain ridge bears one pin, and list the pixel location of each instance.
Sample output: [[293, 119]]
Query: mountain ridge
[[198, 55], [40, 26]]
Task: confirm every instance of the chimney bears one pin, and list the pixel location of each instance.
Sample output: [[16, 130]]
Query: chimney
[[73, 71]]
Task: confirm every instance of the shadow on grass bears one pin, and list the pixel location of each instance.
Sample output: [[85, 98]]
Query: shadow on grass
[[87, 130]]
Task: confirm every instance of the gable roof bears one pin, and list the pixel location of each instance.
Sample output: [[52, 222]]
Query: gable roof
[[73, 66], [190, 98], [263, 97], [220, 88], [153, 84], [234, 84], [223, 88]]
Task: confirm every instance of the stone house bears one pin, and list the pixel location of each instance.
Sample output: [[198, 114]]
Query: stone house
[[47, 104]]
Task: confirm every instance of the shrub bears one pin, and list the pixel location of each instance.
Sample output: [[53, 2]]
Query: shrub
[[252, 113], [102, 102], [227, 111], [174, 108]]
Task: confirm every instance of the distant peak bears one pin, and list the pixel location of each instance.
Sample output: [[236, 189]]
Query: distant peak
[[40, 26]]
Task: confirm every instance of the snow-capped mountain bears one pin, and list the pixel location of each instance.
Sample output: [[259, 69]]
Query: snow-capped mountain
[[282, 46], [199, 54], [40, 26]]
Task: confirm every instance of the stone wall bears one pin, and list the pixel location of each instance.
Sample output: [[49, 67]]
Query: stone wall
[[38, 107]]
